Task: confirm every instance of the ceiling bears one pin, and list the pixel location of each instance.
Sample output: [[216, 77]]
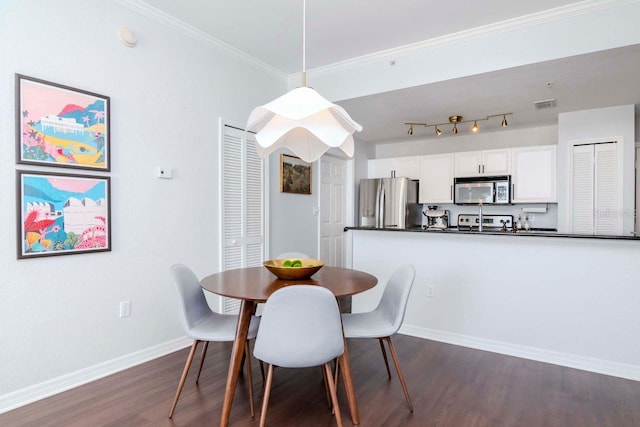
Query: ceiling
[[338, 30]]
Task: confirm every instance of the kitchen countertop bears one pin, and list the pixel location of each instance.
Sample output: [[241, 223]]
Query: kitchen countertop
[[530, 233]]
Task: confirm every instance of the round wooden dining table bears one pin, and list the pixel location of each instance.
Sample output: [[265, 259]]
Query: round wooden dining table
[[254, 285]]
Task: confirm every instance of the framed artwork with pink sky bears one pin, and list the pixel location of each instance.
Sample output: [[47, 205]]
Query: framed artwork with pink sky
[[61, 126], [62, 214]]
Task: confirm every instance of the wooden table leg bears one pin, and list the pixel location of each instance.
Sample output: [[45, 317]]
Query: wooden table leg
[[235, 364], [345, 370]]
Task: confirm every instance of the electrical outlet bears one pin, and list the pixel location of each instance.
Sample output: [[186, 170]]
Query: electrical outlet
[[431, 291], [125, 308]]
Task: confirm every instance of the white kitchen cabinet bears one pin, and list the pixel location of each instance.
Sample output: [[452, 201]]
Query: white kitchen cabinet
[[483, 163], [436, 178], [394, 166], [534, 174]]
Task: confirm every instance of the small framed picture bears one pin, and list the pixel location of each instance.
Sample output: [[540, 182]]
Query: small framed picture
[[61, 126], [62, 214], [295, 175]]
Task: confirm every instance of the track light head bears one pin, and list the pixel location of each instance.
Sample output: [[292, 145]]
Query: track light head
[[410, 131], [438, 131], [504, 121], [474, 128], [455, 129]]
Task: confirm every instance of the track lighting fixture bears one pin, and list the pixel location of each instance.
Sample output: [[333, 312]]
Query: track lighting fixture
[[455, 120]]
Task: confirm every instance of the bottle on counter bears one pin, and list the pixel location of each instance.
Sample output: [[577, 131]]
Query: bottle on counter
[[519, 222], [526, 223]]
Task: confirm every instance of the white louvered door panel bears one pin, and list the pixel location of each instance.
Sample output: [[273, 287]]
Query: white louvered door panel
[[242, 187], [608, 208], [582, 190]]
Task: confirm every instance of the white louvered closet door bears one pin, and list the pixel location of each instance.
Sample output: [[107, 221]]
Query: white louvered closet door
[[607, 197], [242, 210], [582, 204], [596, 200]]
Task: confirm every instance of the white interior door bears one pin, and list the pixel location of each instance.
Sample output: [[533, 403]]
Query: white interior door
[[596, 199], [333, 212], [242, 205]]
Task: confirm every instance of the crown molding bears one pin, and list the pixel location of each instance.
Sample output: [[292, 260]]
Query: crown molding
[[514, 24], [144, 9]]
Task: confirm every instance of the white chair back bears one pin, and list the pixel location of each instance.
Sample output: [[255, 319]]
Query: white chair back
[[394, 299], [193, 304], [300, 327]]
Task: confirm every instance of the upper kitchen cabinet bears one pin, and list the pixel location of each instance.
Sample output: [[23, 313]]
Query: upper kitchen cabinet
[[534, 174], [395, 166], [481, 163], [436, 178]]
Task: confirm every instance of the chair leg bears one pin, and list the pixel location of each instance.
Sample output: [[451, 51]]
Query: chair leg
[[202, 356], [262, 372], [335, 374], [265, 399], [247, 351], [402, 382], [384, 354], [334, 396], [185, 371], [326, 386]]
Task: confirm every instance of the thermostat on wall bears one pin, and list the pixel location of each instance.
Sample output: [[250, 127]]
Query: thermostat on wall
[[165, 173]]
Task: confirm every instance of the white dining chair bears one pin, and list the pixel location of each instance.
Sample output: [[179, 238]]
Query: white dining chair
[[300, 328], [385, 320], [204, 325]]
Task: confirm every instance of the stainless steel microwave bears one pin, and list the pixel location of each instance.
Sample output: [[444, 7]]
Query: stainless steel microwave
[[488, 190]]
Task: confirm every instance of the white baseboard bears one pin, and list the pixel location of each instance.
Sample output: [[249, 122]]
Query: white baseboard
[[57, 385], [600, 366]]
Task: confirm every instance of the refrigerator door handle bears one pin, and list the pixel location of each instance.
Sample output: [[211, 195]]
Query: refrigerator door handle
[[377, 207], [381, 206]]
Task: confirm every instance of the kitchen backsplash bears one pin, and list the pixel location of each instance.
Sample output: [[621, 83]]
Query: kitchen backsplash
[[536, 220]]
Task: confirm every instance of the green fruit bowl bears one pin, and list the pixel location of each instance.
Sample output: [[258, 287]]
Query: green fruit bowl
[[293, 268]]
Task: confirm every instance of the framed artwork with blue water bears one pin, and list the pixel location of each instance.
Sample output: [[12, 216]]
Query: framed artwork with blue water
[[62, 214], [61, 126]]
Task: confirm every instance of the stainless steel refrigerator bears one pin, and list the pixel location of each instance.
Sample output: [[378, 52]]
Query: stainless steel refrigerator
[[389, 203]]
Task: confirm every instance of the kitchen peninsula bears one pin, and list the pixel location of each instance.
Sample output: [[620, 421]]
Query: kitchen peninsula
[[539, 296]]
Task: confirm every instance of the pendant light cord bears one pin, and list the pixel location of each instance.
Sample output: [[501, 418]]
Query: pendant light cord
[[304, 43]]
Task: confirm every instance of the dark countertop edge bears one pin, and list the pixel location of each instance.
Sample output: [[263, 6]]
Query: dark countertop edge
[[498, 233]]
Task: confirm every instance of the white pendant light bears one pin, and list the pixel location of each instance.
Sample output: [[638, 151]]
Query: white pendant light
[[302, 121]]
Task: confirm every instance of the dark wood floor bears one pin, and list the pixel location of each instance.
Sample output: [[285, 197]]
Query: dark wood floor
[[450, 386]]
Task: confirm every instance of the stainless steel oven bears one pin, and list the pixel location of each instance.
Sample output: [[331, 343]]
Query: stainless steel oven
[[488, 190]]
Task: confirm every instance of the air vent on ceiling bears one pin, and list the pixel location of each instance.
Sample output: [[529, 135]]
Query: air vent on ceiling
[[545, 103]]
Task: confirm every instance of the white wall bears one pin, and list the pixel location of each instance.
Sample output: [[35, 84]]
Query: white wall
[[568, 301], [59, 315], [292, 222], [597, 125], [576, 29]]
